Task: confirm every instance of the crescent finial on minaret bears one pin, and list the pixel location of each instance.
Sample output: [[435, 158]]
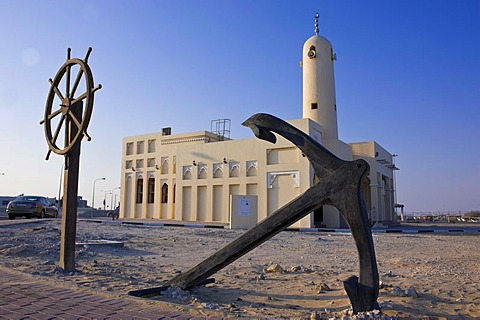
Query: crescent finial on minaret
[[316, 23]]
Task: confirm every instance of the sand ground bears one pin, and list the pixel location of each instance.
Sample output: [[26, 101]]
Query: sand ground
[[440, 273]]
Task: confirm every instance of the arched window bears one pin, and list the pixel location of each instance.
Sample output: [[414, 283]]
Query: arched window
[[151, 146], [234, 169], [218, 170], [164, 164], [187, 172], [252, 168], [139, 190], [165, 193], [151, 190], [202, 171]]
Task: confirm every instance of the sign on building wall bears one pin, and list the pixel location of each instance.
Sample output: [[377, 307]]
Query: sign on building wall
[[243, 211], [244, 206]]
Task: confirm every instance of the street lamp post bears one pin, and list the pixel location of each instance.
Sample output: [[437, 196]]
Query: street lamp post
[[395, 200], [394, 178], [105, 197], [113, 202], [93, 196]]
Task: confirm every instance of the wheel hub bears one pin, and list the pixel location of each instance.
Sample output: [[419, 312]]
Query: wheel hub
[[65, 106]]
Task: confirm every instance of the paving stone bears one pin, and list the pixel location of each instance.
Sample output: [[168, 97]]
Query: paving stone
[[71, 317], [77, 311], [42, 316], [16, 316], [43, 301], [184, 317]]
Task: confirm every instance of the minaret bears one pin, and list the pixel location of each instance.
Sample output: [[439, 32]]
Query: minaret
[[319, 103]]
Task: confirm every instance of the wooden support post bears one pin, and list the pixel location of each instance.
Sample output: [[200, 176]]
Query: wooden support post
[[70, 192]]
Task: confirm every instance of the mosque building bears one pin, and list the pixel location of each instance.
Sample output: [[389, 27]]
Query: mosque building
[[206, 177]]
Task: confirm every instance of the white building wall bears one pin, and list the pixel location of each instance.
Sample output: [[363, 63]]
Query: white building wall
[[202, 172], [380, 179], [241, 167], [277, 174]]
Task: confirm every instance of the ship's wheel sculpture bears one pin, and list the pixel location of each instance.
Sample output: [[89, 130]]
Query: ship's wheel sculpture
[[69, 105], [69, 102]]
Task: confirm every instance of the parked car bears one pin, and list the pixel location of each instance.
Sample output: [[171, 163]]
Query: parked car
[[31, 206]]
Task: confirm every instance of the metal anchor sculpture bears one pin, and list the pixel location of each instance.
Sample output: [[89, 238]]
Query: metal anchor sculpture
[[339, 185]]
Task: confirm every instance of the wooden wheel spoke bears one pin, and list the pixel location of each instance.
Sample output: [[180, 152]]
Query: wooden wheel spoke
[[57, 131], [67, 82], [48, 154], [51, 116], [77, 123], [88, 54], [54, 114], [96, 88], [79, 98], [55, 88], [75, 84]]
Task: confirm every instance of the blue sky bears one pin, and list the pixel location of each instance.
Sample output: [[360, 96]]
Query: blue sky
[[407, 76]]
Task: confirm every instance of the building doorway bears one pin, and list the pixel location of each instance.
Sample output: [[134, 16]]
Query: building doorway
[[318, 218]]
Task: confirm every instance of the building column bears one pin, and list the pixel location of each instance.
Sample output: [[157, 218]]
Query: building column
[[170, 214], [144, 206], [381, 197], [374, 196], [157, 211]]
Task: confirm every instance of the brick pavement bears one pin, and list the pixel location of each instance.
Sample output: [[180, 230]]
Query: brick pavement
[[25, 297]]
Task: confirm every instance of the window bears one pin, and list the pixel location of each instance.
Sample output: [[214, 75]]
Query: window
[[202, 171], [217, 170], [164, 164], [252, 168], [151, 190], [151, 146], [187, 172], [314, 105], [140, 147], [129, 148], [151, 162], [234, 169], [139, 190], [164, 193]]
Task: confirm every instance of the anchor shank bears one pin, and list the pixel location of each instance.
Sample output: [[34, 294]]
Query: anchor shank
[[363, 290]]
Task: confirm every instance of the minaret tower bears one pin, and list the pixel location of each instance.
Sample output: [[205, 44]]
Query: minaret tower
[[319, 103]]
